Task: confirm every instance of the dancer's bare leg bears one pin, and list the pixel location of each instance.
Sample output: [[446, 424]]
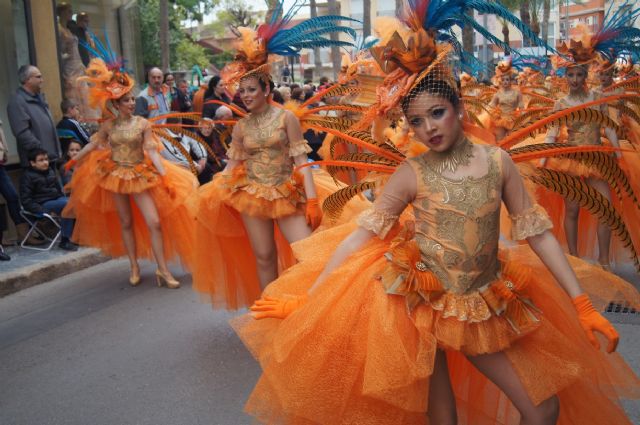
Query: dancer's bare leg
[[442, 403], [123, 207], [571, 214], [499, 370], [147, 207], [604, 232], [262, 240], [294, 227]]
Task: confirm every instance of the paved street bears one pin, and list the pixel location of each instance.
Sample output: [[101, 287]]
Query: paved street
[[89, 349]]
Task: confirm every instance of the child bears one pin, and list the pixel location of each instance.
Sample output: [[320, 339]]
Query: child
[[72, 151], [40, 192]]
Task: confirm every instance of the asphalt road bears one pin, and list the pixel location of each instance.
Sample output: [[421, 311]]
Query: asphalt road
[[89, 349]]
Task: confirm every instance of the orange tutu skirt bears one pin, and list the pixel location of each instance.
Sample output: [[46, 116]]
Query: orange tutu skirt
[[355, 354], [224, 269], [258, 200], [92, 204]]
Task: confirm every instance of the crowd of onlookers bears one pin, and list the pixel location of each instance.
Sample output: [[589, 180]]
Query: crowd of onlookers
[[44, 146]]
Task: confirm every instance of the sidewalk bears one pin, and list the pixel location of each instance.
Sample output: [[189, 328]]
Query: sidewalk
[[29, 267]]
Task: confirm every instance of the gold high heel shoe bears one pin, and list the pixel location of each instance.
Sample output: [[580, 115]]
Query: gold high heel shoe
[[170, 281], [134, 278]]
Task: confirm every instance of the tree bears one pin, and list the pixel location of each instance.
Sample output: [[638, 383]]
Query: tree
[[512, 5], [468, 35], [335, 50], [366, 18], [188, 54], [546, 12], [232, 15], [149, 13], [525, 17], [163, 12], [317, 60]]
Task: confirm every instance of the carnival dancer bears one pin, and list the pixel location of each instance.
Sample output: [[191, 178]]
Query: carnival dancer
[[125, 198], [410, 327], [258, 199], [575, 60], [507, 100]]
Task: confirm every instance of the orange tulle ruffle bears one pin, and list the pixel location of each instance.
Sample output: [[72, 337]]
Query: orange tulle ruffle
[[97, 221], [126, 179], [356, 354], [258, 200]]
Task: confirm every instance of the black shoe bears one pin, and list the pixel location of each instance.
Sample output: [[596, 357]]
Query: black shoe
[[4, 257], [68, 246]]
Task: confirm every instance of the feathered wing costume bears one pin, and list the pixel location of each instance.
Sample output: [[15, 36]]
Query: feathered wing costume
[[564, 174], [225, 267], [361, 348], [121, 166]]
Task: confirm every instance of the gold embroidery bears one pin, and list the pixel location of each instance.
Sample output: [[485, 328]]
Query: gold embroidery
[[463, 216], [126, 139]]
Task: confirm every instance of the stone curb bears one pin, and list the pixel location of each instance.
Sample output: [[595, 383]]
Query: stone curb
[[54, 268]]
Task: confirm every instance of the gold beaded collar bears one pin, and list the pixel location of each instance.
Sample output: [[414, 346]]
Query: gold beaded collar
[[460, 154]]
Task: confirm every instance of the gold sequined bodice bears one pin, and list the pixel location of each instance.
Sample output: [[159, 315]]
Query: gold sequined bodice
[[266, 144], [507, 101], [126, 140], [580, 133], [458, 224]]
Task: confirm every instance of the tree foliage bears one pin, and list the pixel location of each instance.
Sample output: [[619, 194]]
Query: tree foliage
[[234, 14], [182, 51]]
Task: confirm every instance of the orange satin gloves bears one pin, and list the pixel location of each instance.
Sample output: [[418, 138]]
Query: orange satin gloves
[[313, 213], [69, 165], [276, 308], [591, 320]]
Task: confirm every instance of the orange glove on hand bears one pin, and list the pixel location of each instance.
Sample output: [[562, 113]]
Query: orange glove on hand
[[591, 320], [168, 186], [69, 165], [313, 213], [276, 308]]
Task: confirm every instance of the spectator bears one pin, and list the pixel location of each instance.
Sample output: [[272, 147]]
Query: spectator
[[309, 91], [216, 91], [80, 28], [211, 134], [285, 74], [30, 119], [297, 94], [169, 84], [155, 99], [10, 195], [286, 93], [69, 128], [73, 148], [277, 97], [182, 100], [172, 153], [40, 192]]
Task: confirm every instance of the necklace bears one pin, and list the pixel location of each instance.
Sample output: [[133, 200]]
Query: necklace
[[262, 118], [580, 97], [460, 154]]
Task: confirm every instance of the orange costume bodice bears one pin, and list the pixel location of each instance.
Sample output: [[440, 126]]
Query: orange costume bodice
[[507, 100], [127, 169], [580, 133], [451, 259], [458, 224], [265, 184]]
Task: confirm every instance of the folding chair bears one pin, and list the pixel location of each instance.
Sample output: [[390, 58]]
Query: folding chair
[[40, 219]]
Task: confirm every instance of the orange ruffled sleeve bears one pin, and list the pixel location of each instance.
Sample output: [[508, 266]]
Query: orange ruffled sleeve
[[236, 150], [298, 148], [531, 222], [379, 222]]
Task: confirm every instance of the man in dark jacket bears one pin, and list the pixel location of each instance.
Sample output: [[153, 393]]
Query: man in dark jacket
[[40, 192], [30, 119]]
